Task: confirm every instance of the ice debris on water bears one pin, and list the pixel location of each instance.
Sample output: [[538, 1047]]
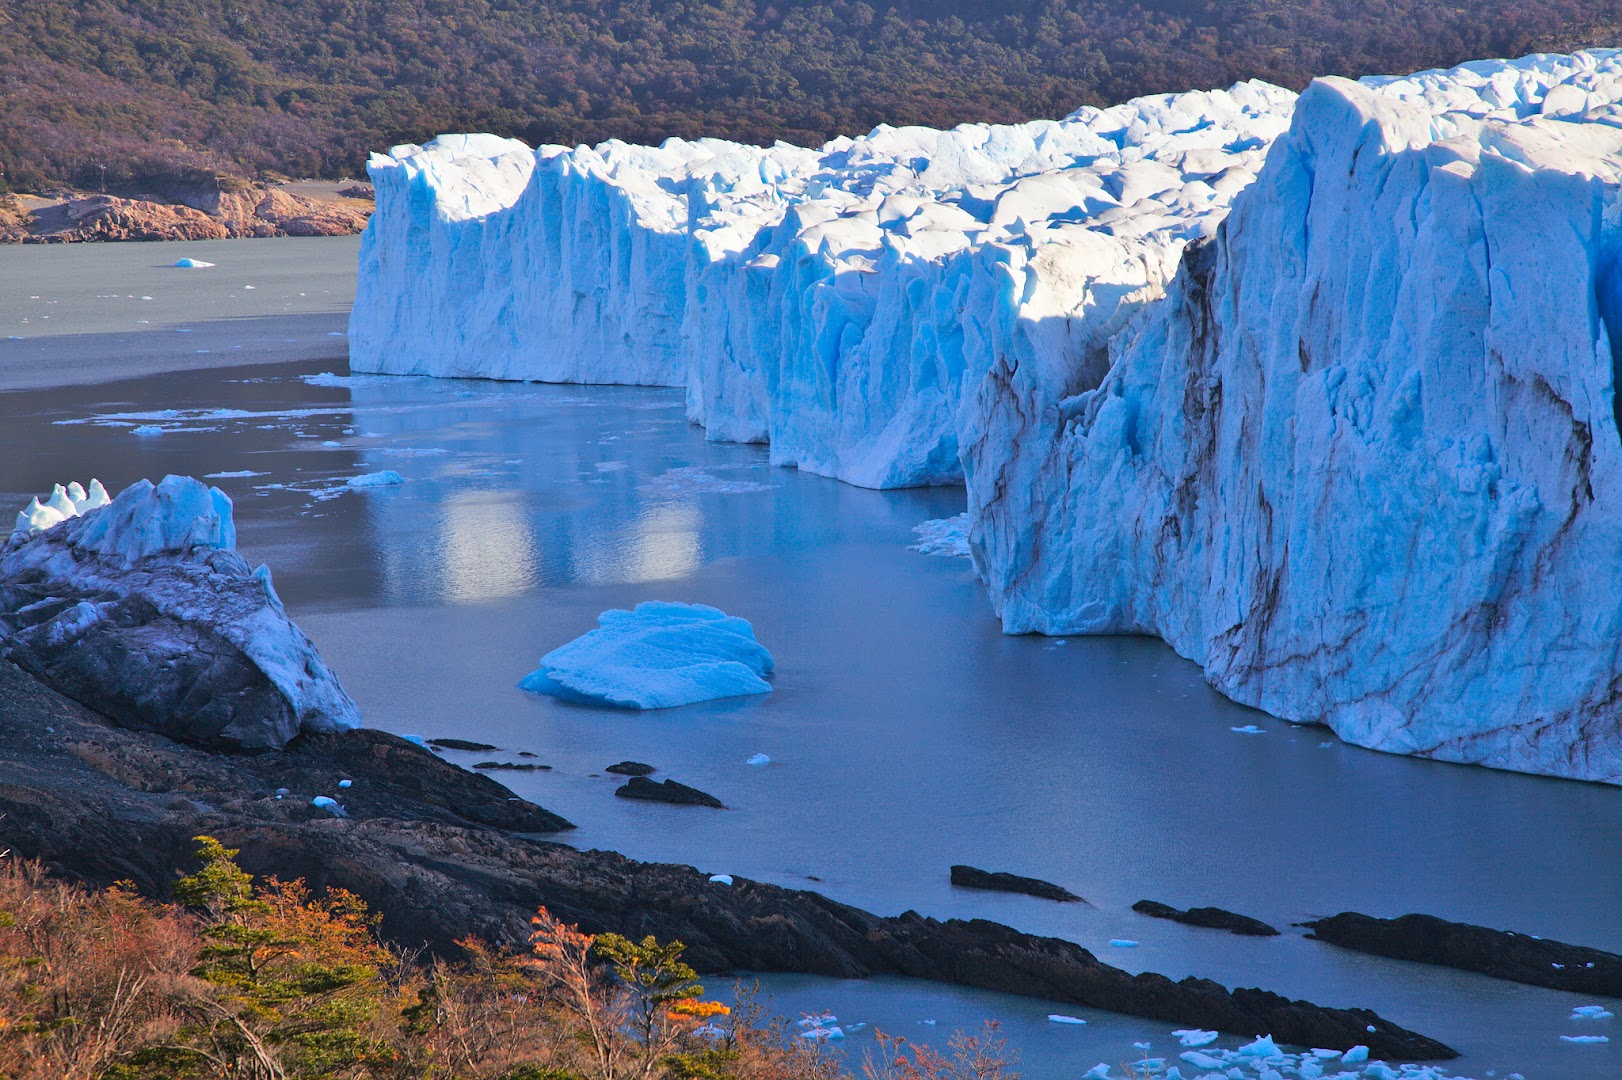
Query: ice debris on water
[[1585, 1038], [1591, 1012], [758, 759], [1249, 729], [1123, 943], [329, 804], [384, 478], [820, 1027], [943, 536], [658, 655], [1195, 1037], [1060, 1018], [189, 263], [146, 429], [63, 503]]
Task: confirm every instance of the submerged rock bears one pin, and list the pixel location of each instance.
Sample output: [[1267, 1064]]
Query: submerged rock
[[640, 787], [968, 877], [512, 766], [460, 744], [142, 610], [1502, 954], [630, 768], [1211, 917]]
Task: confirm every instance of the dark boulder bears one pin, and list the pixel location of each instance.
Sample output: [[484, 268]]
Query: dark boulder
[[1213, 918], [1502, 954], [640, 787], [968, 877], [512, 766], [630, 768]]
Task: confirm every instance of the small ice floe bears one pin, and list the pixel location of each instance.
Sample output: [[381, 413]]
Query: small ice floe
[[1248, 729], [1122, 943], [189, 263], [248, 288], [63, 503], [1591, 1012], [345, 783], [947, 537], [331, 442], [1195, 1037], [236, 474], [1262, 1047], [146, 429], [824, 1033], [812, 1020], [1355, 1054], [1325, 745], [384, 478], [758, 759], [657, 656], [1097, 1072], [1060, 1018], [1585, 1038], [721, 879], [330, 805]]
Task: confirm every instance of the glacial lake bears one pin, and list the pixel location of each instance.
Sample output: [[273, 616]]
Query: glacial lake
[[906, 732]]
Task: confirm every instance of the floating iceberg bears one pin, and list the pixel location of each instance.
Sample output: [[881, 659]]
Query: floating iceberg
[[384, 478], [943, 536], [657, 656], [189, 263], [1321, 391]]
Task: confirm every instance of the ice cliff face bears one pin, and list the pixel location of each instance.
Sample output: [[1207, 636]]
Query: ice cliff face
[[141, 609], [835, 303], [1362, 462], [1353, 450]]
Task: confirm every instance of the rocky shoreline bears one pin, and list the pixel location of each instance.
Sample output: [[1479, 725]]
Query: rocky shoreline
[[443, 853], [253, 211]]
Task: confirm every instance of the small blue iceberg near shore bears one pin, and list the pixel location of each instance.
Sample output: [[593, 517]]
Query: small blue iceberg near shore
[[657, 656]]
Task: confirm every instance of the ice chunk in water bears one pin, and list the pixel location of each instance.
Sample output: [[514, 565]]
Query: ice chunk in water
[[1249, 729], [943, 536], [655, 657], [1355, 1054], [1591, 1012], [1123, 943], [1195, 1037], [385, 478], [758, 759], [189, 263], [1060, 1018], [1585, 1038]]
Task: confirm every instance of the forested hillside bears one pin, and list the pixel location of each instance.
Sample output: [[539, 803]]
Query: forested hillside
[[154, 93]]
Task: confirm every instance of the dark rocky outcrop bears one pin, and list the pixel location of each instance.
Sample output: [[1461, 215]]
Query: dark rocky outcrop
[[640, 787], [460, 744], [512, 766], [211, 215], [630, 768], [968, 877], [1502, 954], [1213, 918], [143, 611], [442, 853]]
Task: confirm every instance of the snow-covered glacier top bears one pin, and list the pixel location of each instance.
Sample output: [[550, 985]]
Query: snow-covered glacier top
[[1144, 337]]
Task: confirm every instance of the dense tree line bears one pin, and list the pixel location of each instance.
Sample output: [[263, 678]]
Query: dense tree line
[[149, 92]]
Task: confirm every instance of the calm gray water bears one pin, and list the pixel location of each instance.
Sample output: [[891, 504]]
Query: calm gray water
[[906, 732]]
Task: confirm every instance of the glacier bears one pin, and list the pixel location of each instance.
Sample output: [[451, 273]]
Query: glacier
[[1317, 389]]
